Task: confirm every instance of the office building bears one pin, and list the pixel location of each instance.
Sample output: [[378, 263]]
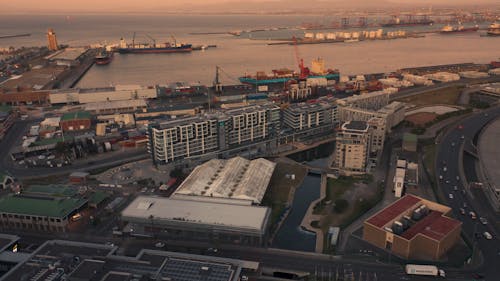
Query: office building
[[52, 40], [413, 228], [352, 148]]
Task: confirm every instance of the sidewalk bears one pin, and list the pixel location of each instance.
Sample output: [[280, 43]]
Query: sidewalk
[[310, 217]]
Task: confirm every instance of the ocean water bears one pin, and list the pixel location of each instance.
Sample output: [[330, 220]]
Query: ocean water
[[235, 55]]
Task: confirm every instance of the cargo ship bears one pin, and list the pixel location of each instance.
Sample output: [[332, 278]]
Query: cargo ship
[[396, 22], [147, 48], [494, 29], [448, 29], [104, 57], [284, 75]]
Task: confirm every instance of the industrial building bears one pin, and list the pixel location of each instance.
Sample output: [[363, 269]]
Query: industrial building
[[113, 107], [236, 178], [78, 261], [188, 137], [413, 228], [67, 57], [352, 148], [197, 220], [74, 121], [92, 95]]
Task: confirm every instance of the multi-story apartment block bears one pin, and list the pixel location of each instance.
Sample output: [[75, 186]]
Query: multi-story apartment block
[[306, 115], [352, 148], [377, 135], [189, 137], [371, 101]]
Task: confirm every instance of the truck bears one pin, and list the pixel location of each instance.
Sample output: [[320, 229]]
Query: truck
[[425, 270]]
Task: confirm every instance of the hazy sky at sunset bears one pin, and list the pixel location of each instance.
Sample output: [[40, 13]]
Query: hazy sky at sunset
[[44, 6]]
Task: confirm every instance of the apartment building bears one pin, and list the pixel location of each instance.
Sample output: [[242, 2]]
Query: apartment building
[[306, 115], [352, 148], [188, 137]]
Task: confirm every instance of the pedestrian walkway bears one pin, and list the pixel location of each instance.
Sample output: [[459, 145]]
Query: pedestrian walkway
[[310, 216]]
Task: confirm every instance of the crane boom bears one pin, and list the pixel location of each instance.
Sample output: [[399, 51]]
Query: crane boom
[[175, 40], [300, 61], [133, 40], [152, 39]]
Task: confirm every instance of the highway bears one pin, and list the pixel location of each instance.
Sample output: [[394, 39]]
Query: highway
[[449, 167]]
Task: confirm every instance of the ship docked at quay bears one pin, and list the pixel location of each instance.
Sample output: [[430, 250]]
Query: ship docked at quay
[[152, 48], [448, 29], [285, 75], [494, 29], [103, 57]]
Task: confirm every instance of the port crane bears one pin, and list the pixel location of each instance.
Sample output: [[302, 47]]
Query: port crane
[[173, 38], [133, 40], [152, 39], [304, 71]]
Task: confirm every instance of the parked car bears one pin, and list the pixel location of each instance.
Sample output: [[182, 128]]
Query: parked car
[[483, 220], [487, 235]]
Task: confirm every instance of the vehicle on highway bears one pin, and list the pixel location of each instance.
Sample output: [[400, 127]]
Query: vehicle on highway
[[477, 275], [445, 169], [159, 244], [487, 235], [483, 220], [425, 270], [440, 177], [462, 211], [450, 196], [213, 250], [472, 215], [465, 205], [76, 217], [447, 181], [455, 188], [462, 137], [458, 178]]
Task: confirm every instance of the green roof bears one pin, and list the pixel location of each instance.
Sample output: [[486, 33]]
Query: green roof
[[52, 190], [39, 206], [97, 197], [407, 137], [47, 141], [5, 108], [76, 115]]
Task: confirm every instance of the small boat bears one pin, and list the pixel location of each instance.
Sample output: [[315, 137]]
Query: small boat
[[104, 57]]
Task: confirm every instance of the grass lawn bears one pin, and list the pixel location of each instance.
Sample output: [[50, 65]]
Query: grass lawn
[[448, 95], [278, 196]]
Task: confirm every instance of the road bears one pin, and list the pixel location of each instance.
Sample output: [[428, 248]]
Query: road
[[456, 193]]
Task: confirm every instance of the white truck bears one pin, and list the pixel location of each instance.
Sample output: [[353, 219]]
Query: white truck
[[426, 270]]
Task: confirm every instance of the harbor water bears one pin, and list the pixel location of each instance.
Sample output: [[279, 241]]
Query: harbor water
[[235, 55]]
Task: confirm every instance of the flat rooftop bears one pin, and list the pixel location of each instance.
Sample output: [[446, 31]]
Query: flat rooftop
[[434, 225], [79, 115], [67, 54], [95, 106], [355, 125], [236, 178], [204, 213], [89, 261], [394, 210]]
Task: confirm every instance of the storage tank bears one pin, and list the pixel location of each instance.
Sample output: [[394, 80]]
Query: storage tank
[[347, 35], [372, 34], [355, 35], [309, 35], [320, 36], [379, 33], [331, 36]]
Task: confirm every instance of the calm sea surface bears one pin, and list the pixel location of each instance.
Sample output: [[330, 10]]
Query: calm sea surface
[[235, 55]]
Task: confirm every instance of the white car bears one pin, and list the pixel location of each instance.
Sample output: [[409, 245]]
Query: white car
[[450, 196], [487, 235], [483, 220], [160, 245]]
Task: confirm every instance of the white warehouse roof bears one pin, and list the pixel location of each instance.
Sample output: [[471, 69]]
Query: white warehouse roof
[[252, 218], [236, 178]]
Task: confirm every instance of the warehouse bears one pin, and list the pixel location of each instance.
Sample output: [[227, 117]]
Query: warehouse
[[413, 228], [195, 220], [236, 178]]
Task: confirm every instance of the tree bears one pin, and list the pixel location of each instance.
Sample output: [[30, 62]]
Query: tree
[[340, 205]]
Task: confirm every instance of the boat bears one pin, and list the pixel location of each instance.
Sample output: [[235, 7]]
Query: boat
[[494, 29], [285, 75], [104, 57], [448, 29], [396, 21], [147, 48]]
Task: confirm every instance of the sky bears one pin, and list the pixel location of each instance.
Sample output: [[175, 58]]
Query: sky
[[103, 6]]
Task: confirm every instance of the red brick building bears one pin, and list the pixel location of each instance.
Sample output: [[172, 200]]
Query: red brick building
[[75, 121], [413, 228]]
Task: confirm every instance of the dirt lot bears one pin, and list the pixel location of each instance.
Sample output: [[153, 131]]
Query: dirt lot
[[443, 96], [421, 118]]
